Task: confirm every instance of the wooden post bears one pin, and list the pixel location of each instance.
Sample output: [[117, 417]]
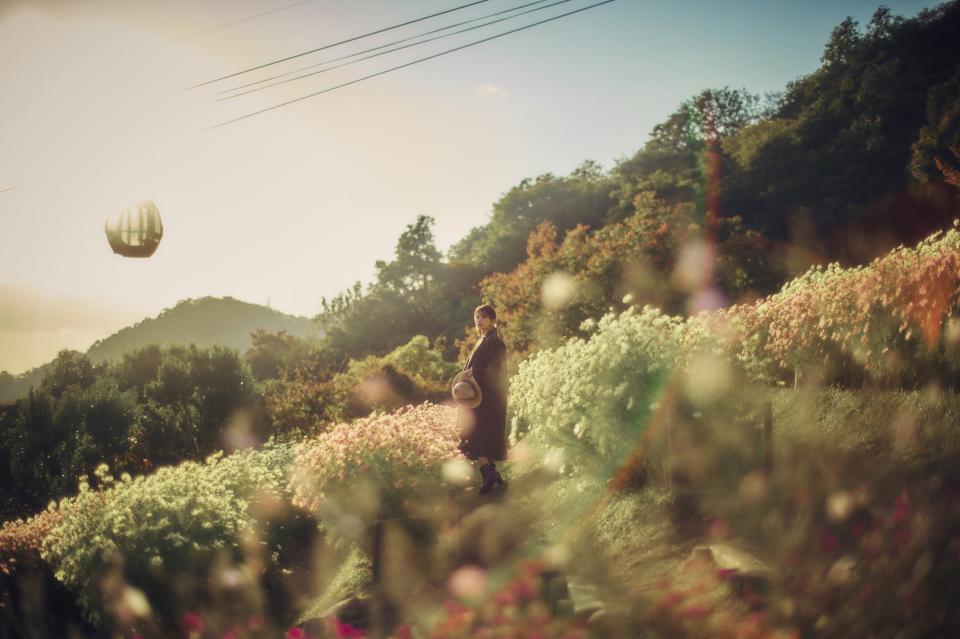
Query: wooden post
[[766, 454]]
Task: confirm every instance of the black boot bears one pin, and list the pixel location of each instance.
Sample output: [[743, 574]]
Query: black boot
[[491, 478]]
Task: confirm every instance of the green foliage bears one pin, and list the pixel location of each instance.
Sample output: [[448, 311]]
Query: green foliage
[[592, 397], [204, 322], [352, 576], [414, 294], [831, 152], [313, 395], [910, 425], [303, 401], [847, 131], [941, 131], [409, 374], [156, 406], [671, 164], [13, 387], [418, 359], [600, 268], [70, 368], [190, 402], [272, 353], [580, 198], [161, 527], [416, 264]]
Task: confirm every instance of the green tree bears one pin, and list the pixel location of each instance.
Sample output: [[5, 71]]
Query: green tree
[[408, 297], [271, 353], [581, 198], [32, 438], [843, 42], [70, 368], [941, 131], [416, 262], [138, 368], [674, 166]]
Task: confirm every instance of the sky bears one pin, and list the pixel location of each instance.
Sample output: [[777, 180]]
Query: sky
[[295, 204]]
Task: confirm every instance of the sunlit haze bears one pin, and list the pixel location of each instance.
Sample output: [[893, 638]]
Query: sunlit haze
[[297, 203]]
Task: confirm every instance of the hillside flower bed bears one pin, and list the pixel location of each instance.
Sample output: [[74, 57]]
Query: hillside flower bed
[[158, 525], [395, 450], [593, 397], [20, 539], [586, 393], [863, 313]]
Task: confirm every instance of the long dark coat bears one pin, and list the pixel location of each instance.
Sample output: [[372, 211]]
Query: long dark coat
[[484, 428]]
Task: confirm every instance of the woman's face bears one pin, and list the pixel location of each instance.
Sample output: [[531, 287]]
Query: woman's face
[[482, 322]]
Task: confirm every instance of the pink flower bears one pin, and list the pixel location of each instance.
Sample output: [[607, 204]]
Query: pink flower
[[192, 623], [295, 633], [671, 598], [525, 589], [343, 630], [829, 541], [695, 611], [901, 509], [403, 631], [725, 574]]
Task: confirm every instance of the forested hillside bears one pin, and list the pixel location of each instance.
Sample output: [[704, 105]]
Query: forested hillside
[[207, 321], [840, 165], [204, 322]]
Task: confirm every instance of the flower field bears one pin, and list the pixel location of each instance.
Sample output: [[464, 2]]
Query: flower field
[[650, 423]]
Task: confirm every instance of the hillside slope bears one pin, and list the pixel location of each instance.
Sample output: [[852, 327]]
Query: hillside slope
[[206, 322]]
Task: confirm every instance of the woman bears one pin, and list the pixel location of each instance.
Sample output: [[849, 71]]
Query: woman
[[484, 432]]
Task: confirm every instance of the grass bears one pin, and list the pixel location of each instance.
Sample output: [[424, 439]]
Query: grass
[[352, 577], [910, 425]]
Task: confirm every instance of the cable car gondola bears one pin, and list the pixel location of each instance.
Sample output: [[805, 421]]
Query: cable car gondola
[[136, 232]]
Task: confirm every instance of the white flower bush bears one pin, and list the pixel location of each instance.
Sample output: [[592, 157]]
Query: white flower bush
[[160, 521], [594, 395]]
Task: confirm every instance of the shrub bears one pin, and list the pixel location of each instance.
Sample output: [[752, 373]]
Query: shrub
[[425, 364], [395, 451], [20, 540], [871, 319], [410, 374], [159, 527], [593, 396], [32, 601]]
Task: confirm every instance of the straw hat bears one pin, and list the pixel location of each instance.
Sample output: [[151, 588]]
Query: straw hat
[[465, 390]]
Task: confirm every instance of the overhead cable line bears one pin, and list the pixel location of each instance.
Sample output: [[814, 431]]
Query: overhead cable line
[[408, 64], [247, 19], [375, 55], [377, 48], [336, 44]]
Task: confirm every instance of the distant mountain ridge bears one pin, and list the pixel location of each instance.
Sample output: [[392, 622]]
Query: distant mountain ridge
[[206, 322]]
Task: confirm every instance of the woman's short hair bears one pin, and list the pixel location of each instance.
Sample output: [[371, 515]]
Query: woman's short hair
[[486, 310]]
